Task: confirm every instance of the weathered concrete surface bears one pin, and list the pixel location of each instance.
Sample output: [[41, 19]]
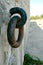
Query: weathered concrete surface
[[35, 38], [8, 55]]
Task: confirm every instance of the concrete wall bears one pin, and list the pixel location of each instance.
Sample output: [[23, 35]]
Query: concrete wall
[[8, 55], [35, 38]]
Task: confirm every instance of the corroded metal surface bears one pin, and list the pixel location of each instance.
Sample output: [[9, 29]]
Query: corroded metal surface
[[22, 14], [16, 22], [11, 32]]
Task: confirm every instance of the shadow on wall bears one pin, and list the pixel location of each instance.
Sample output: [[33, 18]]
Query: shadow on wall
[[35, 40]]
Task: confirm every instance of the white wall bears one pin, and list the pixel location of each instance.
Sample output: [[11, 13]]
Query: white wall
[[8, 55]]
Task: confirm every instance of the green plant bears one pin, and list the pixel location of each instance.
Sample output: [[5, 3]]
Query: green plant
[[32, 17], [41, 16], [29, 60], [36, 17]]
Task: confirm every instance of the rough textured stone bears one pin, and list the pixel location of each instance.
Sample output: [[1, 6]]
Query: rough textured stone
[[8, 55]]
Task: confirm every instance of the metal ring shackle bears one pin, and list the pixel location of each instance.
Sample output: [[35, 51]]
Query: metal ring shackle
[[11, 32], [22, 13]]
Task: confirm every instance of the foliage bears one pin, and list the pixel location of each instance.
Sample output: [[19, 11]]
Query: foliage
[[41, 16], [36, 17], [32, 17], [32, 60]]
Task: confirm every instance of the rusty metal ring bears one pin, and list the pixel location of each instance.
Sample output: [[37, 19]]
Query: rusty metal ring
[[22, 13], [11, 32]]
